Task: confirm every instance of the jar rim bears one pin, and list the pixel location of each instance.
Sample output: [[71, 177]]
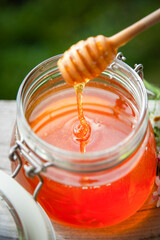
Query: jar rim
[[43, 148]]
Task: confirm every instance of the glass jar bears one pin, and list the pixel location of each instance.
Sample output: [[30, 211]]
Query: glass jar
[[92, 190]]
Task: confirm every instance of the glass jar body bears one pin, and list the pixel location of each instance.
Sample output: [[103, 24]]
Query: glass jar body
[[89, 200], [97, 198]]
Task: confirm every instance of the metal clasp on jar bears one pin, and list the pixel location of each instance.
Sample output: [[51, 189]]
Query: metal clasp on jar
[[35, 166], [138, 68], [120, 56]]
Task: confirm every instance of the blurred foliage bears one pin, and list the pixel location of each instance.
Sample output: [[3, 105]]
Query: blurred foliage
[[32, 31]]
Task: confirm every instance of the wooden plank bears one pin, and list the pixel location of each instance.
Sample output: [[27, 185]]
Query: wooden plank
[[7, 120], [144, 225]]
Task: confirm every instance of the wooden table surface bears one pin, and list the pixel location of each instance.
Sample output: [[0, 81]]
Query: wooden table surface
[[144, 225]]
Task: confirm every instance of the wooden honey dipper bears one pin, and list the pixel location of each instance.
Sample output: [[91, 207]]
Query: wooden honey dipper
[[87, 59]]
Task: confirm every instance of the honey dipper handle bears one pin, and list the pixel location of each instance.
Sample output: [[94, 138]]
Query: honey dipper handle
[[130, 32]]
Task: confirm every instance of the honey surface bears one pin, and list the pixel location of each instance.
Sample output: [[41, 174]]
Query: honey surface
[[107, 119]]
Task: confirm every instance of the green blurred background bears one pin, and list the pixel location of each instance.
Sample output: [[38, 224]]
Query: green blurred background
[[33, 30]]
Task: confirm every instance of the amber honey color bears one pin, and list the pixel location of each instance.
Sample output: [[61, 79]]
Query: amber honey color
[[89, 200], [110, 116]]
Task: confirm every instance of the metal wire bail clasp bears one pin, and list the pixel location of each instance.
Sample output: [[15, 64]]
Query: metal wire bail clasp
[[35, 166], [14, 156], [138, 68], [120, 56]]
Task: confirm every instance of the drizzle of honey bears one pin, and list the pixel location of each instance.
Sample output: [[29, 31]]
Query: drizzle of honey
[[83, 130]]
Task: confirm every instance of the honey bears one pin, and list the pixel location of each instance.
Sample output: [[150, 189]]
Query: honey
[[109, 119], [101, 175]]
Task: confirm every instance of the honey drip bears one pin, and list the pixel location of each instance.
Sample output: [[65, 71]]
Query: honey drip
[[82, 131]]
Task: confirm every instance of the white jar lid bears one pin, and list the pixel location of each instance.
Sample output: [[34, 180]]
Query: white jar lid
[[20, 216]]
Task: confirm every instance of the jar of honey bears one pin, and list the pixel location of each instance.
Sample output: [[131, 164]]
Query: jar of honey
[[113, 177]]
